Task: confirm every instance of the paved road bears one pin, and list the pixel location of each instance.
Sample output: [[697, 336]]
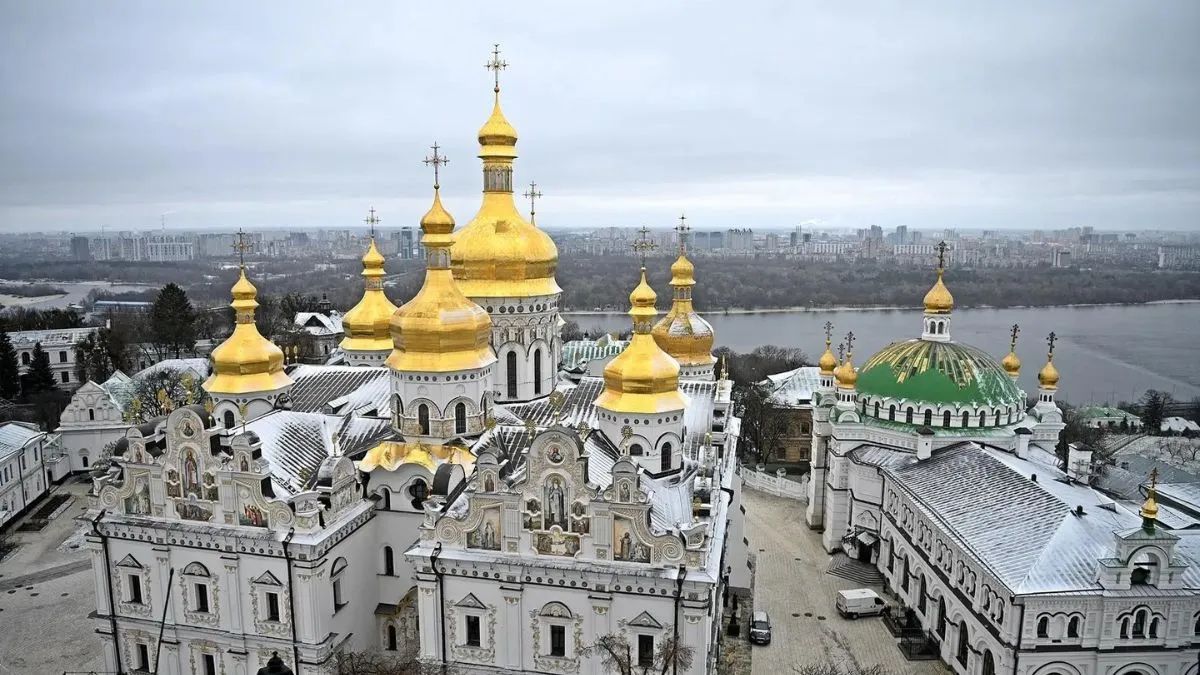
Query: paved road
[[45, 575], [791, 582]]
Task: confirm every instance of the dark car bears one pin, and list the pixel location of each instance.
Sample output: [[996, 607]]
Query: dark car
[[760, 629]]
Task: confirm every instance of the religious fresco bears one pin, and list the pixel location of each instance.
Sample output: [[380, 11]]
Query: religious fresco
[[623, 492], [489, 483], [138, 503], [580, 523], [172, 483], [193, 511], [626, 546], [191, 475], [210, 487], [556, 543], [556, 503], [252, 515], [245, 464], [487, 535]]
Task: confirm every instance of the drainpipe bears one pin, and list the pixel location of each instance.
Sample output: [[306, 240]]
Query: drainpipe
[[678, 597], [112, 605], [291, 598], [162, 625], [433, 560]]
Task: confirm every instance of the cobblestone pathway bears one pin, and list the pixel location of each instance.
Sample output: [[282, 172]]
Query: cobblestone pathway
[[792, 585]]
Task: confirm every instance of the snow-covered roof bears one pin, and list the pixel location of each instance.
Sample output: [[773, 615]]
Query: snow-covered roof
[[341, 389], [1178, 425], [793, 387], [198, 367], [14, 436], [318, 324], [577, 353], [58, 337], [295, 443]]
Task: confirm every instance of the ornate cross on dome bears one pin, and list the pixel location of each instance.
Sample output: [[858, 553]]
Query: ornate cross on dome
[[532, 194], [841, 352], [1016, 330], [1153, 478], [496, 65], [437, 161], [941, 249], [372, 220], [682, 229], [1050, 340], [828, 334], [642, 246], [241, 246], [850, 343]]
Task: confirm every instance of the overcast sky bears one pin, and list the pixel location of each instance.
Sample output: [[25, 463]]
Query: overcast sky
[[273, 114]]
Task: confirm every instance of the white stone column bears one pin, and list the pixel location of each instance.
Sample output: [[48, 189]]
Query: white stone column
[[597, 623], [431, 619], [232, 583], [511, 652]]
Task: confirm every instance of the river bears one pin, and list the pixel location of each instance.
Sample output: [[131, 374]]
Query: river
[[1104, 353], [76, 292]]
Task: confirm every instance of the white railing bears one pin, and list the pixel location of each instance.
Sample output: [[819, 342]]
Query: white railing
[[776, 483]]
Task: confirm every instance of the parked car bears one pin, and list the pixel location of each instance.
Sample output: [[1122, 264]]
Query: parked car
[[857, 602], [760, 628]]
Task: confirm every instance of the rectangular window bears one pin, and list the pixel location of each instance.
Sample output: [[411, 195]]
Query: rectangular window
[[272, 606], [143, 657], [66, 377], [645, 651], [135, 589], [210, 664], [473, 631], [558, 641], [62, 357], [337, 595], [201, 597]]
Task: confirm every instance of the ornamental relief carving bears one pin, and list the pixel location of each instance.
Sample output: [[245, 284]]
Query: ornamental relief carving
[[142, 609], [262, 624], [556, 664], [482, 655], [193, 616]]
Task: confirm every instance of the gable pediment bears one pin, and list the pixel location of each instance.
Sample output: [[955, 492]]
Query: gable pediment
[[266, 579], [130, 561], [471, 602], [644, 620]]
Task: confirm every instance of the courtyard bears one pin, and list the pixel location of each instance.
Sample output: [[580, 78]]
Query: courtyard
[[793, 587]]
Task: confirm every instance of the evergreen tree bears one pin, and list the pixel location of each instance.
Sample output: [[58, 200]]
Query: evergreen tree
[[1154, 409], [97, 356], [10, 378], [39, 378], [173, 322]]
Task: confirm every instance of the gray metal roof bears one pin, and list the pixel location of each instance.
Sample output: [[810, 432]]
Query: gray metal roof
[[341, 389], [295, 443]]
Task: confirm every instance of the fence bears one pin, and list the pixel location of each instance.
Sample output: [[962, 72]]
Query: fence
[[776, 483]]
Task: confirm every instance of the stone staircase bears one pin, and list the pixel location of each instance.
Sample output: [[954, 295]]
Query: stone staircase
[[846, 567]]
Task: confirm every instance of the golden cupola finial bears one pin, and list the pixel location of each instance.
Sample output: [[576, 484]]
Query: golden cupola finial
[[1048, 375], [683, 333], [367, 324], [440, 329], [1011, 364], [499, 254], [642, 378], [246, 362], [939, 300], [1149, 511], [847, 376], [828, 361]]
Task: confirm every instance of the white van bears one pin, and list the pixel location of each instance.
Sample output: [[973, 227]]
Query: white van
[[858, 602]]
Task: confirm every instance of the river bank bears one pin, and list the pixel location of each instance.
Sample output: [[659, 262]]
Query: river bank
[[891, 308]]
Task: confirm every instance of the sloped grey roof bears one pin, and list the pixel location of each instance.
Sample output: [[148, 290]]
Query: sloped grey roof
[[14, 436], [341, 389], [295, 443], [791, 387], [880, 456]]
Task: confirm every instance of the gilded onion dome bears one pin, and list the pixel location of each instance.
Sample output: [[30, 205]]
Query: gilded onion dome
[[846, 373], [499, 254], [682, 333], [246, 362], [367, 323], [828, 362], [939, 300], [1011, 364], [643, 378], [1048, 375], [440, 329]]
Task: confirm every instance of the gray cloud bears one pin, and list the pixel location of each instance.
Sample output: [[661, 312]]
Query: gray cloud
[[1024, 114]]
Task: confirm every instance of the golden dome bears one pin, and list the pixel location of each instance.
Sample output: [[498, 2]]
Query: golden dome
[[246, 362], [846, 374], [1011, 364], [683, 333], [367, 323], [939, 300], [828, 362], [440, 329], [643, 378], [499, 254], [1150, 506], [390, 455], [1048, 375]]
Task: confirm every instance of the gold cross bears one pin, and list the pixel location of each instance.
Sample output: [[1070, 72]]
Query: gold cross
[[372, 220], [241, 247], [828, 333], [1012, 345], [532, 194], [941, 249], [682, 229], [850, 343], [1050, 340], [642, 245], [437, 161], [496, 65], [841, 351]]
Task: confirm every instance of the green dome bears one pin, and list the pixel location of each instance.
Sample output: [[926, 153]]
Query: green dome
[[938, 373]]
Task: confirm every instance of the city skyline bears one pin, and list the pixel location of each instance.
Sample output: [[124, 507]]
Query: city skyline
[[969, 117]]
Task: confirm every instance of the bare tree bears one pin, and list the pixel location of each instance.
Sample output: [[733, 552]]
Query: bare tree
[[835, 669], [404, 662], [617, 656]]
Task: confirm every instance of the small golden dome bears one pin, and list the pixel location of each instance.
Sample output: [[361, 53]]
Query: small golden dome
[[246, 362], [642, 378], [440, 329], [367, 323], [846, 374], [683, 333], [1048, 375], [1011, 364], [497, 131], [1150, 506], [828, 362], [939, 300]]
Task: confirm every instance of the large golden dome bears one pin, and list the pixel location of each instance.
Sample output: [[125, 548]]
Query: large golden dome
[[440, 329], [367, 323], [1011, 364], [939, 300], [682, 333], [246, 362], [499, 254], [642, 378]]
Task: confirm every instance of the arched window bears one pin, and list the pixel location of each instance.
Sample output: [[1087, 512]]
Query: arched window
[[982, 420], [385, 499], [1154, 628], [1139, 623], [908, 415], [941, 618], [397, 406], [1139, 576], [665, 461], [335, 575], [1043, 627], [537, 371], [1196, 626], [928, 418], [419, 491], [229, 419], [904, 575], [921, 596], [24, 358], [877, 409], [389, 562], [892, 412], [989, 663], [460, 418], [635, 450], [966, 419], [91, 414], [391, 638], [423, 419], [84, 459], [510, 367], [946, 418], [962, 642], [1125, 628], [1073, 627]]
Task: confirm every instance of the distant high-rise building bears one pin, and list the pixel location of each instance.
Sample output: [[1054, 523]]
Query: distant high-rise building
[[902, 235], [80, 249]]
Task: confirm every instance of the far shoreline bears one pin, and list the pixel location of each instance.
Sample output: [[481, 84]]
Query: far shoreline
[[881, 308]]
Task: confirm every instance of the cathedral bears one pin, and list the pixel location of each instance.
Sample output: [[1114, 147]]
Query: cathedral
[[444, 493]]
